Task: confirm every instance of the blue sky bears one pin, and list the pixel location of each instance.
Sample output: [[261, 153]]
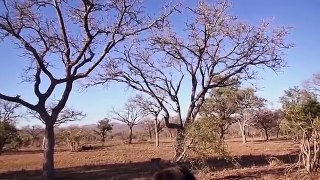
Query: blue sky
[[303, 59]]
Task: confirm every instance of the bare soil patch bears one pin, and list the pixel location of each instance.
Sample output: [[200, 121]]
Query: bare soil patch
[[256, 160]]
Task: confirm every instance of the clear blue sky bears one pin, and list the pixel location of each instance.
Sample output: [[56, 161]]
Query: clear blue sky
[[303, 60]]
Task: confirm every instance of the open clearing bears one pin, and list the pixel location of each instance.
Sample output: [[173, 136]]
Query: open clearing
[[257, 160]]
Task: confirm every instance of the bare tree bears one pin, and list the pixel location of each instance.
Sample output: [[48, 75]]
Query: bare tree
[[34, 131], [131, 115], [66, 46], [68, 114], [149, 126], [9, 111], [103, 128], [313, 84], [150, 107], [215, 50]]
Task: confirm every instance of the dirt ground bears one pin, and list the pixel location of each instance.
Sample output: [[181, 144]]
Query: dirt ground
[[255, 160]]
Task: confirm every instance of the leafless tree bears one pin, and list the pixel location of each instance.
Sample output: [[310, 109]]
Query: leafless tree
[[68, 114], [66, 46], [34, 131], [150, 107], [313, 84], [131, 115], [149, 126], [213, 49], [9, 111]]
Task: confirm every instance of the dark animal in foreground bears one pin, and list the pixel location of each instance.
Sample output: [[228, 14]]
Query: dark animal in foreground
[[173, 173]]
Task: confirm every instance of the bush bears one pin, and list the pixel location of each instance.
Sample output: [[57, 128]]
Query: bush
[[203, 139], [72, 136], [9, 137], [302, 115]]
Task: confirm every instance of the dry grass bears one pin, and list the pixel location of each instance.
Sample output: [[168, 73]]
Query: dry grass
[[112, 153], [257, 159]]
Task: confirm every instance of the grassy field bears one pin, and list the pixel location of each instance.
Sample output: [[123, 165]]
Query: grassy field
[[256, 160]]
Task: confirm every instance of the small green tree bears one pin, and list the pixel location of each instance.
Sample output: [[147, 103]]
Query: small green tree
[[203, 139], [103, 128], [8, 134], [302, 113], [220, 108]]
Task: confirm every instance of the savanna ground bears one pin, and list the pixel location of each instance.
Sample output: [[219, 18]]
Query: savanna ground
[[255, 160]]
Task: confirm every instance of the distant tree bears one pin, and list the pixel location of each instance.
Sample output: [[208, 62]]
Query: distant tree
[[149, 127], [26, 139], [64, 46], [266, 120], [34, 131], [301, 111], [220, 108], [313, 84], [248, 104], [279, 122], [8, 134], [214, 49], [150, 108], [72, 136], [103, 127], [68, 114], [130, 114], [9, 111]]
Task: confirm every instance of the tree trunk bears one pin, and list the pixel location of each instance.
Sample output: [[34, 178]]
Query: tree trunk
[[243, 133], [48, 162], [1, 147], [150, 133], [103, 138], [266, 134], [180, 150], [156, 130], [221, 137], [44, 142], [157, 139], [278, 132], [33, 141], [170, 134], [130, 135], [244, 137]]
